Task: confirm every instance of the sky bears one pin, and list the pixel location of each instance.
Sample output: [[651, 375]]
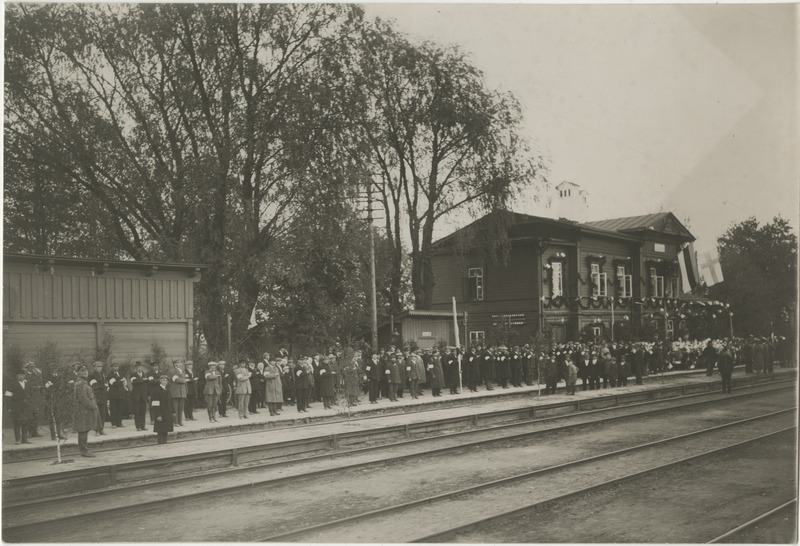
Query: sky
[[691, 109]]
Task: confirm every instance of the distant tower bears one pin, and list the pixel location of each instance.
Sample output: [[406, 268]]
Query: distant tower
[[571, 202]]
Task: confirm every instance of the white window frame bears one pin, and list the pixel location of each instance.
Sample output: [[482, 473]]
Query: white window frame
[[599, 280], [477, 274], [596, 331], [673, 287], [557, 286], [626, 284], [656, 284], [476, 336]]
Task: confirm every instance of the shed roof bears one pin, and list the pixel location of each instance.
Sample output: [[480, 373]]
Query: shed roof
[[94, 262]]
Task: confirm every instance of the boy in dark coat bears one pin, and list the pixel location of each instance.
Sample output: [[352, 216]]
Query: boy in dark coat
[[162, 404]]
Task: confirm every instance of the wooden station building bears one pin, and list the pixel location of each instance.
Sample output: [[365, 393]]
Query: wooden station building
[[76, 302], [576, 278]]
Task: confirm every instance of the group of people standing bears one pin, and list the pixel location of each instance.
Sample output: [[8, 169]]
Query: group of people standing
[[169, 396]]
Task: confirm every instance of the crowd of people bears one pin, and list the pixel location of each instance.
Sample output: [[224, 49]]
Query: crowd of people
[[169, 395]]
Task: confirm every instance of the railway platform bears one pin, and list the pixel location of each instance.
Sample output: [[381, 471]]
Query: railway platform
[[235, 442]]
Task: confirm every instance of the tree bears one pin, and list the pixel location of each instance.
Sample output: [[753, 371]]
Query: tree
[[438, 142], [759, 264], [193, 131]]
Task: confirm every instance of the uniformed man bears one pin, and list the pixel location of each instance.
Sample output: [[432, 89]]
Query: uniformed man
[[116, 395], [140, 390], [373, 372], [162, 403], [99, 384]]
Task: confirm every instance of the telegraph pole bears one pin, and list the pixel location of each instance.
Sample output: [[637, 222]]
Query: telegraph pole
[[372, 295]]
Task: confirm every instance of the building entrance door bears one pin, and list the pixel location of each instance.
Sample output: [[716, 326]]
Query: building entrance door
[[559, 333]]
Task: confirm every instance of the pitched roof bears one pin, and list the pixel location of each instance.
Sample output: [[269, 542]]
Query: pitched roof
[[663, 222]]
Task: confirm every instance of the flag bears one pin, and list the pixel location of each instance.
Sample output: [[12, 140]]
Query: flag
[[688, 266], [710, 269], [253, 322]]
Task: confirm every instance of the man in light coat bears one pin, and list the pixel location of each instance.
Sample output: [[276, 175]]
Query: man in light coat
[[177, 392], [85, 410]]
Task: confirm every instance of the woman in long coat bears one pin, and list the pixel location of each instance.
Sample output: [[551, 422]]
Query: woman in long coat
[[273, 388]]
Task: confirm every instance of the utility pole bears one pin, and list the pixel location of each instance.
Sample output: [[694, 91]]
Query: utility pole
[[373, 296]]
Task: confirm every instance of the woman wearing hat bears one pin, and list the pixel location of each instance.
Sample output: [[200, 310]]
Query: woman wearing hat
[[162, 404]]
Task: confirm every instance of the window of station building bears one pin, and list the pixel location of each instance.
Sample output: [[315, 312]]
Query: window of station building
[[624, 282], [596, 331], [656, 284], [476, 336], [557, 284], [672, 287], [599, 281], [475, 275]]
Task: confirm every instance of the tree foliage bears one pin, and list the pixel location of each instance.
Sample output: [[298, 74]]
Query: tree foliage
[[193, 130], [438, 141], [760, 268]]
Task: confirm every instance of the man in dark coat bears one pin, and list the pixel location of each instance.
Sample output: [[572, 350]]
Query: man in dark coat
[[140, 390], [34, 397], [162, 403], [116, 395], [487, 369], [99, 384], [550, 372], [594, 370], [710, 358], [450, 367], [191, 390], [373, 371], [16, 394], [516, 361], [153, 383], [226, 381], [392, 374], [501, 367], [725, 364], [473, 366], [84, 410]]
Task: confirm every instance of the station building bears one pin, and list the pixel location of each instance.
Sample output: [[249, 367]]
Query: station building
[[80, 303], [574, 278]]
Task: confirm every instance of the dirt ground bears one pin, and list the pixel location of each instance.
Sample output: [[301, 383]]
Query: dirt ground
[[252, 515]]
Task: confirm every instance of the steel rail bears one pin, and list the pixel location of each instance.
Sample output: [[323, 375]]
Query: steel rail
[[10, 530], [95, 494], [334, 439], [539, 504], [752, 522], [282, 537]]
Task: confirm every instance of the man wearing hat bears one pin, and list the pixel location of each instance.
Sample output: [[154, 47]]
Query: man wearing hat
[[373, 372], [99, 384], [85, 410], [153, 383], [16, 394], [177, 391], [140, 390], [392, 373], [162, 405], [35, 397], [212, 391], [725, 365], [116, 395]]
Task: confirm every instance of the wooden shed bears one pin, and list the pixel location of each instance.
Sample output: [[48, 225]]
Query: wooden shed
[[76, 302]]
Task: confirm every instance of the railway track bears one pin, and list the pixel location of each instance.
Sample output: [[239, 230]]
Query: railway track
[[362, 460], [743, 532], [154, 471]]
